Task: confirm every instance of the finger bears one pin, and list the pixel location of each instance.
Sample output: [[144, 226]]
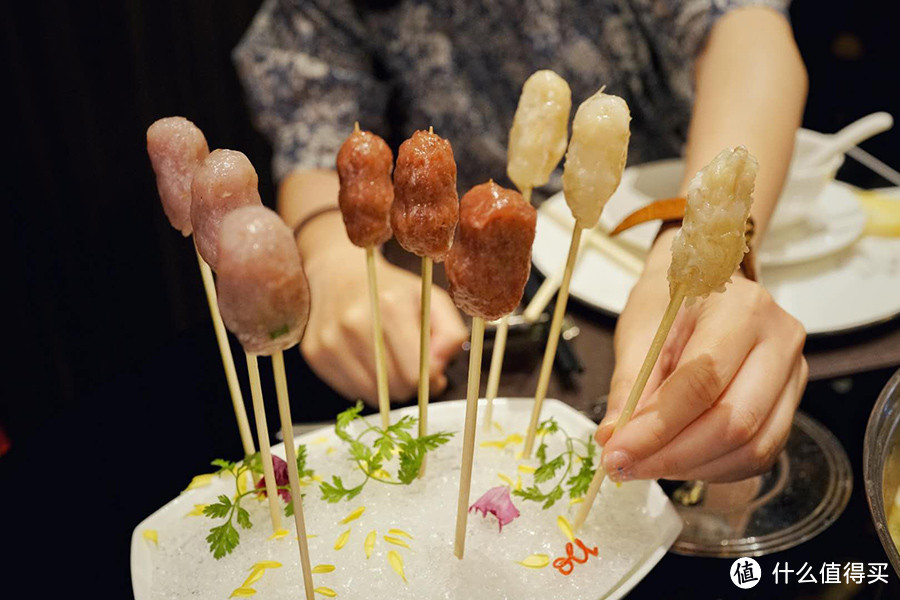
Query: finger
[[713, 354], [746, 404], [629, 362], [759, 454], [448, 331], [343, 373]]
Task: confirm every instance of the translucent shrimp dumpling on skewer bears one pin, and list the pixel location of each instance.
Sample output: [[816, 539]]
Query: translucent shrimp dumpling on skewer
[[711, 243]]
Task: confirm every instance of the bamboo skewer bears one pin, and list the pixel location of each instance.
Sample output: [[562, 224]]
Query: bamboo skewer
[[636, 390], [384, 399], [468, 451], [234, 387], [425, 350], [552, 340], [290, 453], [493, 382], [265, 451]]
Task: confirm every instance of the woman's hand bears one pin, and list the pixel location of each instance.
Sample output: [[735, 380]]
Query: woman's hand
[[721, 399], [338, 343]]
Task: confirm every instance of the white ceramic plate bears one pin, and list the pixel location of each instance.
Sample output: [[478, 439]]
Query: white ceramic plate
[[659, 517], [852, 287]]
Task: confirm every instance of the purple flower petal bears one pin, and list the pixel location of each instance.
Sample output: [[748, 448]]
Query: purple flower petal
[[281, 478], [497, 502]]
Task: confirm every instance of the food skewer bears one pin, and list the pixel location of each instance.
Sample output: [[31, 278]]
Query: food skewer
[[234, 386], [364, 165], [423, 218], [290, 454], [594, 164], [177, 148], [265, 448], [381, 380], [487, 268], [264, 297], [537, 141], [705, 253]]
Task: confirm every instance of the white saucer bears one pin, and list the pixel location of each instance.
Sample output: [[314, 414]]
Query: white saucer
[[837, 220], [853, 287]]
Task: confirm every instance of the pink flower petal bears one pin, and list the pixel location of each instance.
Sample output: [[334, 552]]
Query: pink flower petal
[[497, 502], [281, 478]]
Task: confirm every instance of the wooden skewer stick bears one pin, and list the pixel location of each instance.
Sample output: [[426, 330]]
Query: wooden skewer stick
[[384, 399], [262, 432], [636, 390], [493, 382], [425, 351], [552, 340], [497, 355], [237, 399], [290, 453], [468, 450]]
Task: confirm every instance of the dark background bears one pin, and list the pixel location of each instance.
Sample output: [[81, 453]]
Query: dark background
[[103, 291]]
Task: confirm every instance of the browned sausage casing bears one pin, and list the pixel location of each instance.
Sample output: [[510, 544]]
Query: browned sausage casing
[[426, 205], [364, 165], [490, 259]]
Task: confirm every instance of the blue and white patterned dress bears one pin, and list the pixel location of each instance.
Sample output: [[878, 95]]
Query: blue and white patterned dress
[[313, 67]]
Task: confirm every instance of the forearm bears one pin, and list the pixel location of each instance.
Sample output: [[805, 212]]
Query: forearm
[[302, 193], [750, 89]]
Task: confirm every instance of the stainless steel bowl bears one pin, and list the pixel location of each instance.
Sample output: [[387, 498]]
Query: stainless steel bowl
[[881, 476]]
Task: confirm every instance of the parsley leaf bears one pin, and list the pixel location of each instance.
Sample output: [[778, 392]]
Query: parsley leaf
[[220, 509], [302, 471], [243, 518], [223, 539], [548, 469]]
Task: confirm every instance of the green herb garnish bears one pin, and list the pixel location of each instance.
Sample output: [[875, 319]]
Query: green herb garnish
[[372, 458], [225, 537], [572, 480], [277, 333]]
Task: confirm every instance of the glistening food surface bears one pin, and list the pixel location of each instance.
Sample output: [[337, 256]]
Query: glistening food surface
[[631, 526]]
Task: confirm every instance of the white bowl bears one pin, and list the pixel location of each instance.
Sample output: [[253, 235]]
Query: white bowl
[[804, 183]]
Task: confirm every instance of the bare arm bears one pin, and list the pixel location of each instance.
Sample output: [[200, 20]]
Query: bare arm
[[750, 89]]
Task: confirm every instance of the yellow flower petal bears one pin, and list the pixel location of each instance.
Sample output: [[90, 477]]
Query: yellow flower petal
[[527, 469], [395, 541], [574, 501], [242, 592], [325, 591], [319, 440], [565, 527], [200, 481], [519, 482], [535, 561], [369, 544], [497, 426], [197, 511], [506, 479], [151, 535], [330, 450], [399, 532], [355, 514], [242, 482], [316, 477], [322, 569], [396, 562], [255, 575], [279, 534], [267, 564], [342, 540], [381, 474]]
